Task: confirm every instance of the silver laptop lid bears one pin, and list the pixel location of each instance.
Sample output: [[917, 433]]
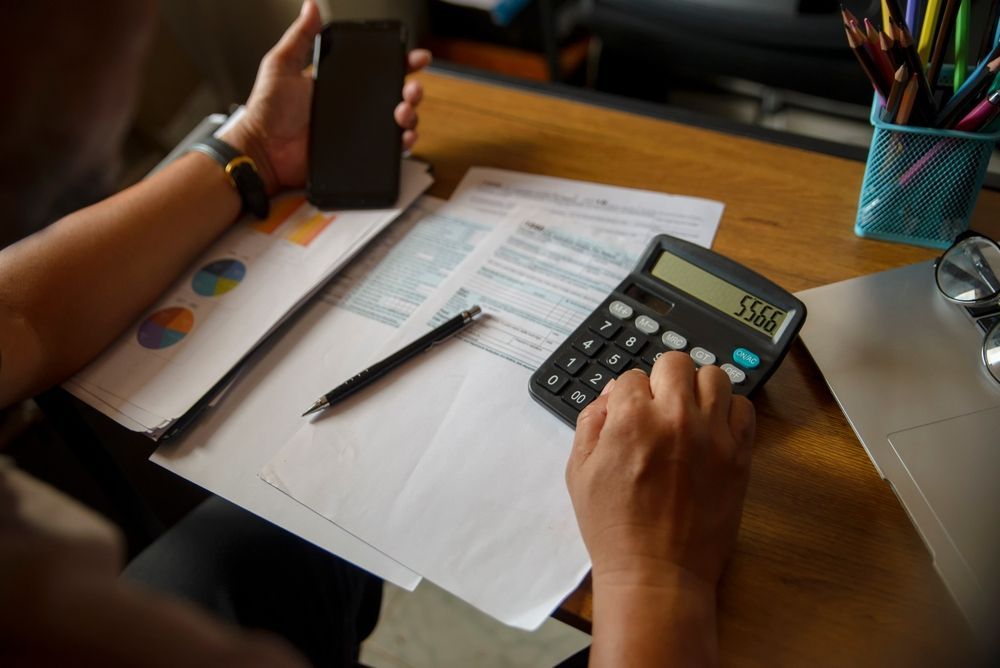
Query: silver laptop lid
[[898, 358]]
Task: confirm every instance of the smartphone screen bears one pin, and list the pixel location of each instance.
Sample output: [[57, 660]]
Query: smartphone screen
[[354, 142]]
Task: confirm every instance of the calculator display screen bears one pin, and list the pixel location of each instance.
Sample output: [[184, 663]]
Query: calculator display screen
[[741, 305]]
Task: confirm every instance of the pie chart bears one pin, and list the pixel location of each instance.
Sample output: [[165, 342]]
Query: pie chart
[[165, 328], [218, 278]]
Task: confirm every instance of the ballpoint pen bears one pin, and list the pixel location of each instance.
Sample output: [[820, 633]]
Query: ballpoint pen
[[379, 369]]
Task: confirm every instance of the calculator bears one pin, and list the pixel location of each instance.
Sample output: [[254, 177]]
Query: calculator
[[679, 297]]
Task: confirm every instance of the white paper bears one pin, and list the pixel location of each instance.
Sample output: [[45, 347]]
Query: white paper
[[449, 466], [333, 337], [247, 282]]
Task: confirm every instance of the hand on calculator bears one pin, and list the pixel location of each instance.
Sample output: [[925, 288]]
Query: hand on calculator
[[657, 475]]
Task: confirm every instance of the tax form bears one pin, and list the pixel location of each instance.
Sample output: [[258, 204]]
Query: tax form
[[448, 466], [334, 336]]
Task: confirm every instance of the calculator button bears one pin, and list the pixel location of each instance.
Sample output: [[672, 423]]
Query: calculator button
[[620, 310], [702, 357], [652, 354], [674, 341], [596, 377], [572, 361], [746, 359], [588, 345], [736, 376], [631, 341], [615, 359], [605, 327], [642, 366], [646, 325], [552, 380], [578, 396]]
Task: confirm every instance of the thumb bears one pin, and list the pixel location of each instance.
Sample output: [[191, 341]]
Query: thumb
[[588, 430], [293, 51]]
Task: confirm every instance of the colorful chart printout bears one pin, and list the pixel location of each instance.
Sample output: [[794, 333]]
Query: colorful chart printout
[[306, 231], [281, 209], [218, 278], [165, 328]]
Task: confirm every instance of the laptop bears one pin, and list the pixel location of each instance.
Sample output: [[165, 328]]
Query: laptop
[[905, 366]]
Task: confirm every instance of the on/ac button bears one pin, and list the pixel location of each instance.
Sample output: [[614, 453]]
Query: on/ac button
[[746, 359]]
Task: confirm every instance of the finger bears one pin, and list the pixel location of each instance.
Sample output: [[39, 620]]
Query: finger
[[713, 392], [673, 376], [293, 50], [629, 387], [742, 420], [409, 139], [589, 423], [418, 59], [405, 115], [413, 92]]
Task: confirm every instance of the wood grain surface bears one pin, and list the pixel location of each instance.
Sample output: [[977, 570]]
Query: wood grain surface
[[828, 570]]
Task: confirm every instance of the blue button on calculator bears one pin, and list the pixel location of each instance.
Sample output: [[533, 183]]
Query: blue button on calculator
[[678, 297], [746, 359]]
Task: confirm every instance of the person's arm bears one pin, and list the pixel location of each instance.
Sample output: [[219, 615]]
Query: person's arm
[[70, 290], [657, 475]]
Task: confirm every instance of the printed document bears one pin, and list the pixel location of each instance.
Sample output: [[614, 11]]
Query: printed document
[[257, 273], [447, 465], [333, 337]]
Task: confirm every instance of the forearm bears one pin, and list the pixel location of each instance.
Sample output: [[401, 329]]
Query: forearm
[[654, 622], [69, 291]]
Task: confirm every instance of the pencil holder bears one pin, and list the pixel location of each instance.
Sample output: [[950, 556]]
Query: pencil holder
[[921, 184]]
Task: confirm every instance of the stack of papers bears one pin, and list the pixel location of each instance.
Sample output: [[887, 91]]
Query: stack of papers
[[446, 469], [240, 289]]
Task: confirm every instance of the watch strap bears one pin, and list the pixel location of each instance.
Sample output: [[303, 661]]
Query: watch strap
[[242, 172]]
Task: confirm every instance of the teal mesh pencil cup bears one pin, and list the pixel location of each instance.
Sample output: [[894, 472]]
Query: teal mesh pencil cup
[[921, 184]]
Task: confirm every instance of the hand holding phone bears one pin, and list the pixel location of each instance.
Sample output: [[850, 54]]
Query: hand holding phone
[[354, 141]]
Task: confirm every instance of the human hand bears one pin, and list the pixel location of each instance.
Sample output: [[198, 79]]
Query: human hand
[[658, 473], [274, 131]]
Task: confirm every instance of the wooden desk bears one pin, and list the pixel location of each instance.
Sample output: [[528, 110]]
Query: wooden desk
[[828, 569]]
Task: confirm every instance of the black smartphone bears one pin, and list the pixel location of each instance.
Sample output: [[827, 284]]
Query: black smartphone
[[354, 141]]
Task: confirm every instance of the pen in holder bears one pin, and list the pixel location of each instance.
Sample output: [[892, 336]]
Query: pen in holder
[[921, 184]]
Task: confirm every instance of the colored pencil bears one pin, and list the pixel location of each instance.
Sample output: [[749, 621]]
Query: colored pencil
[[871, 34], [886, 44], [857, 42], [898, 55], [913, 14], [894, 11], [908, 100], [879, 57], [896, 94], [961, 44], [928, 29], [945, 23], [925, 101], [848, 16], [922, 162]]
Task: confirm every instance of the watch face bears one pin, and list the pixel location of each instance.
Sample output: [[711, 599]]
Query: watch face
[[251, 188]]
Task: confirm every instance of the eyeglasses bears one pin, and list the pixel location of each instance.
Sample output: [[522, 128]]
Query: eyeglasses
[[969, 274]]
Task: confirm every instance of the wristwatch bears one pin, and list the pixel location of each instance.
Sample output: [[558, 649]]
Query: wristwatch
[[242, 171]]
